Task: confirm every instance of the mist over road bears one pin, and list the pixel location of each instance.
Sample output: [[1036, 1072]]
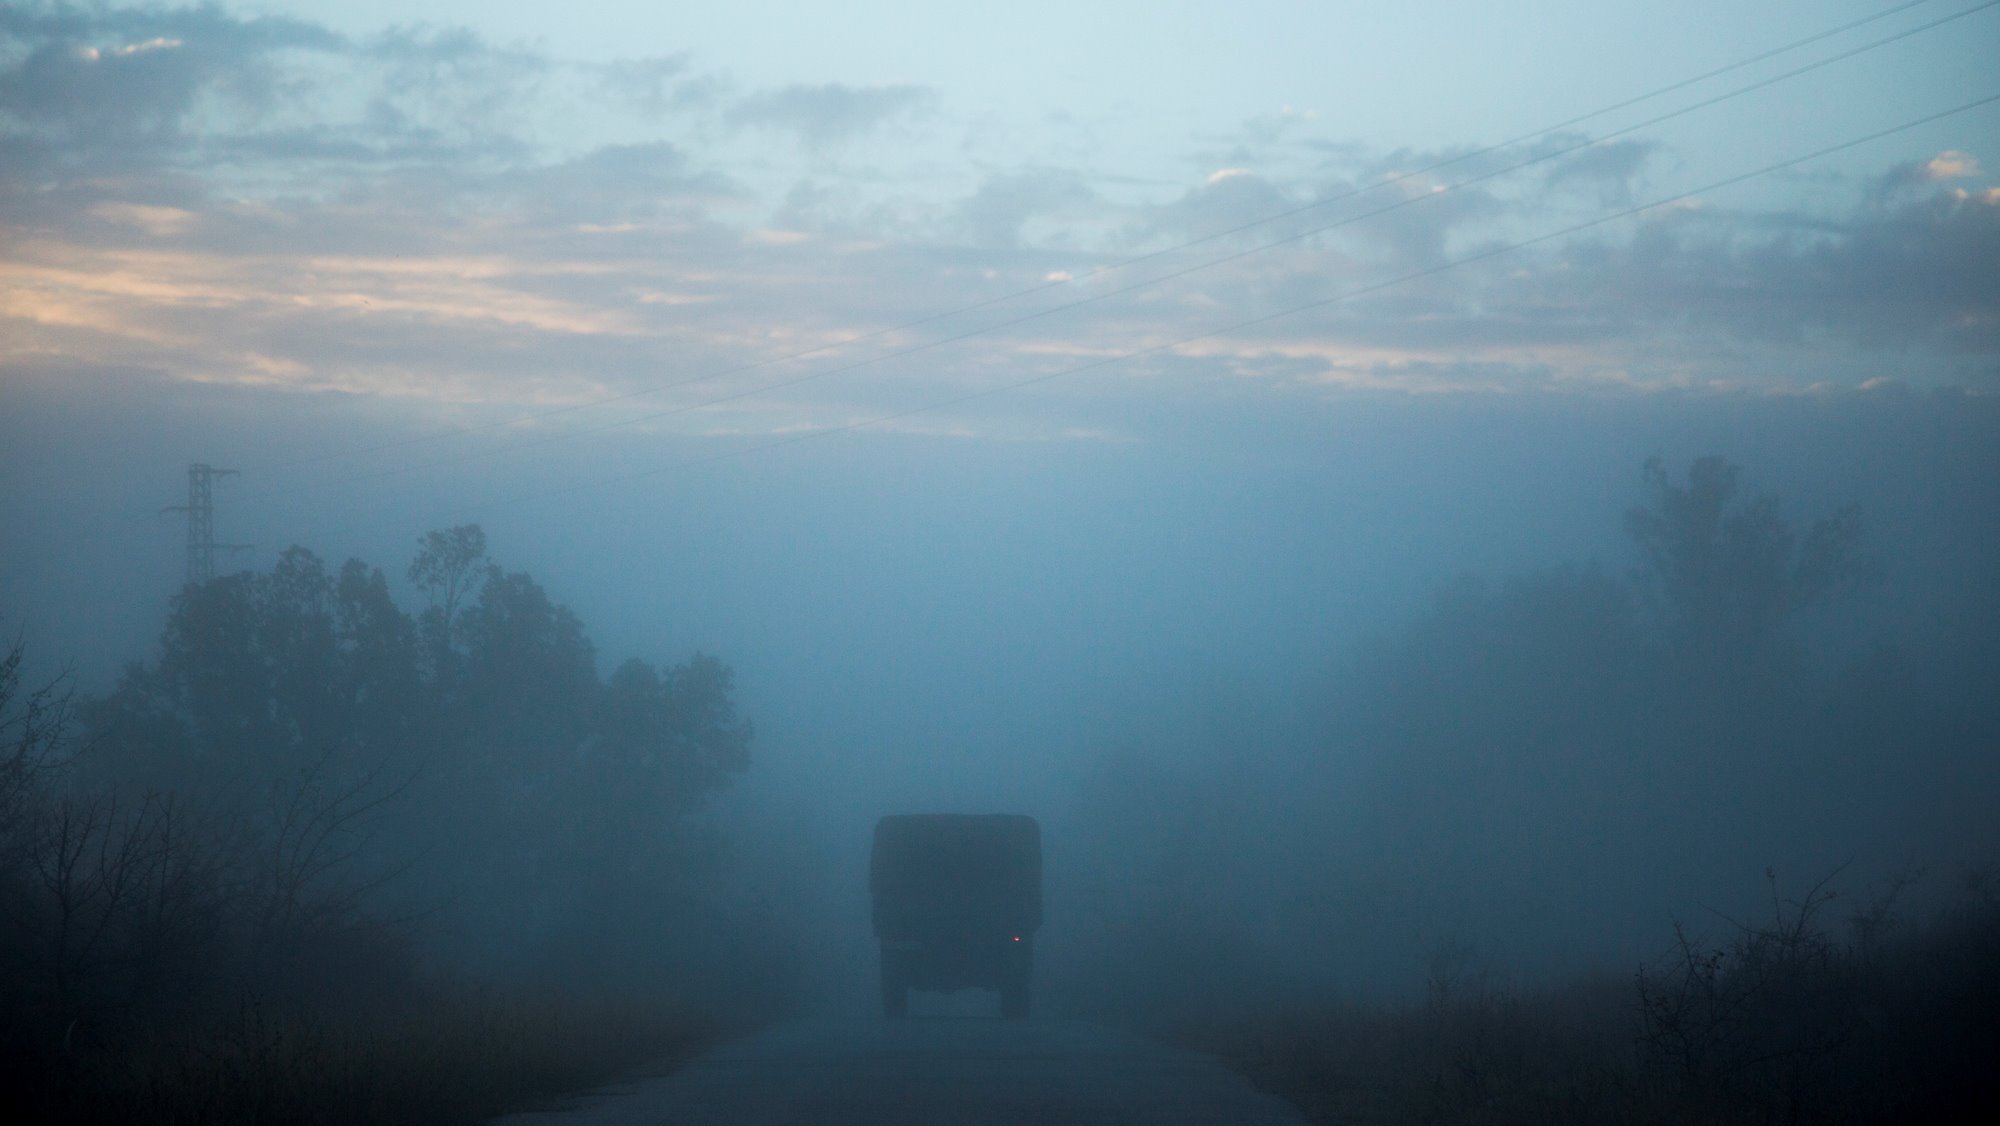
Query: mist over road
[[931, 1070]]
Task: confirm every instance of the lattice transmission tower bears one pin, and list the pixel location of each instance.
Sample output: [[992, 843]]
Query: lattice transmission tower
[[200, 509]]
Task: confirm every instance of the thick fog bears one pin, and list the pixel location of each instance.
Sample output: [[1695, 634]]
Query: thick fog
[[638, 471], [1306, 697]]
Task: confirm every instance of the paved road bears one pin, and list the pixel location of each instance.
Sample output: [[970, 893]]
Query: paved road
[[958, 1071]]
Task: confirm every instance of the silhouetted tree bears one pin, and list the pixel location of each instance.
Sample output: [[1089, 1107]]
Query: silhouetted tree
[[205, 707], [262, 674], [34, 736], [378, 661], [1729, 569], [676, 735], [449, 568], [662, 742], [528, 674], [346, 737]]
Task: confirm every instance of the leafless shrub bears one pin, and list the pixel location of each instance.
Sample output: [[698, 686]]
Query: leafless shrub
[[121, 911], [1759, 1018], [34, 742], [1789, 1019]]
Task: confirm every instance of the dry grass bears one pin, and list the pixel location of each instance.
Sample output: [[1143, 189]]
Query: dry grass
[[459, 1058], [1782, 1023]]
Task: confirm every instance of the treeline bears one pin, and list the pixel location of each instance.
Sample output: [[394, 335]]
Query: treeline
[[1545, 767], [313, 810], [1533, 780]]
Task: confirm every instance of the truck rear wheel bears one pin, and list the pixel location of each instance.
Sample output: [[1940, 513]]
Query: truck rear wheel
[[895, 991], [1019, 970], [1014, 998]]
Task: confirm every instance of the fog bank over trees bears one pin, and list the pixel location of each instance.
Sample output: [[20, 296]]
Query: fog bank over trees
[[1489, 589], [1544, 769], [1484, 691], [312, 814]]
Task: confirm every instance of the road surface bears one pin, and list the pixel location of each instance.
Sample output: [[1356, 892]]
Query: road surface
[[958, 1071]]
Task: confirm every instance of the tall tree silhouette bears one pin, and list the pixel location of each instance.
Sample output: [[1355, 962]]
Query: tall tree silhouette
[[449, 568], [1728, 568]]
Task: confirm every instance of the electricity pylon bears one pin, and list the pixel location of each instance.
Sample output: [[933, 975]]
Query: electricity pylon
[[200, 509]]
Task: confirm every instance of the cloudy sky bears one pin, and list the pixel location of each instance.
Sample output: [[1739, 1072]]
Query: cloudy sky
[[472, 206], [712, 269]]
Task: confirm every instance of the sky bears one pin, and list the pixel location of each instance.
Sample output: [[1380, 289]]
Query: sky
[[874, 345]]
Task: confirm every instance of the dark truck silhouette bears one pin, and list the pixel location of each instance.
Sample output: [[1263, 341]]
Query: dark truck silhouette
[[958, 898]]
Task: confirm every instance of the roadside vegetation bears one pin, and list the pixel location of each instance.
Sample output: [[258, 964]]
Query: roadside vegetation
[[323, 860], [1796, 1018], [1451, 898], [320, 858], [445, 1055]]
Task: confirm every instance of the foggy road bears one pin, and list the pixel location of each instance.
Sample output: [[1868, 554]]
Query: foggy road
[[931, 1070]]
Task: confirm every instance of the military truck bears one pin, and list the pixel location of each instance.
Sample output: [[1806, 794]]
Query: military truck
[[958, 898]]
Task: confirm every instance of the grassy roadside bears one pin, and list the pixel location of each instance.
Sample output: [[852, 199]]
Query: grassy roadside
[[1786, 1022], [459, 1057]]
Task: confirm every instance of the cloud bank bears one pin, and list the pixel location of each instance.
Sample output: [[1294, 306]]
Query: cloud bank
[[426, 216]]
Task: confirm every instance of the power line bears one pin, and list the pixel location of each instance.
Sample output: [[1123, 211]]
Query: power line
[[1126, 263], [1542, 158]]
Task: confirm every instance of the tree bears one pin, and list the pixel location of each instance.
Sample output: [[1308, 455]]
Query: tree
[[661, 743], [1729, 569], [673, 739], [212, 675], [259, 675], [34, 736], [378, 660], [528, 675], [449, 568], [299, 646], [478, 737]]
